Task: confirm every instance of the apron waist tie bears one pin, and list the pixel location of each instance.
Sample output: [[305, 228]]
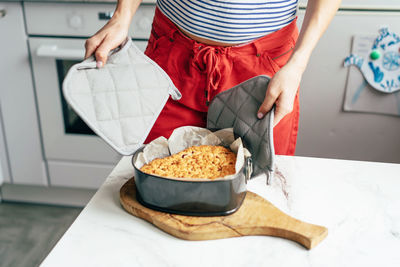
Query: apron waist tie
[[207, 60]]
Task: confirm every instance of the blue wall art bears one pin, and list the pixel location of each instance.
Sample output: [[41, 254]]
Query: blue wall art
[[382, 68], [374, 85]]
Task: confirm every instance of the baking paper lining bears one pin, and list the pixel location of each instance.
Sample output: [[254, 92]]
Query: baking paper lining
[[188, 136]]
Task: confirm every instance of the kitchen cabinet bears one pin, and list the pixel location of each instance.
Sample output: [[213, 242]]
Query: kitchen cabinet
[[17, 98]]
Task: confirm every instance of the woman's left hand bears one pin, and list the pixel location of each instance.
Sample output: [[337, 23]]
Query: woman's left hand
[[282, 90]]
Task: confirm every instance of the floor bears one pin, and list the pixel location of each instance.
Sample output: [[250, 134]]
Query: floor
[[28, 232]]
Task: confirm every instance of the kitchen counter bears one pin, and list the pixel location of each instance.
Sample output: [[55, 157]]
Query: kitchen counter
[[358, 202]]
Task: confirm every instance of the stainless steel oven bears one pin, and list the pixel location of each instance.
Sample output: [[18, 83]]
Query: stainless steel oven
[[75, 156]]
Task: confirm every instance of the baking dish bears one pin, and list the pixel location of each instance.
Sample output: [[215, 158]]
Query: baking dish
[[190, 196]]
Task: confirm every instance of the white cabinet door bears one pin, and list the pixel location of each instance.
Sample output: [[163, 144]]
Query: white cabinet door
[[325, 130], [17, 99]]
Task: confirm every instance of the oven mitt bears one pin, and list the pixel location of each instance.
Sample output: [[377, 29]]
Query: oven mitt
[[237, 108], [121, 101]]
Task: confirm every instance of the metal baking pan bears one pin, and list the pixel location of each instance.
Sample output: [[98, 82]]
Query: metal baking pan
[[192, 197]]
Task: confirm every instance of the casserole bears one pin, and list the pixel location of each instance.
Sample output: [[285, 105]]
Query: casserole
[[192, 196]]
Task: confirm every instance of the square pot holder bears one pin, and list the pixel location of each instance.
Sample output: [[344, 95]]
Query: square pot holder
[[121, 101], [237, 108]]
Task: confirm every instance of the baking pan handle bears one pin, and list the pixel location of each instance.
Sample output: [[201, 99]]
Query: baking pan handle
[[249, 168], [270, 174]]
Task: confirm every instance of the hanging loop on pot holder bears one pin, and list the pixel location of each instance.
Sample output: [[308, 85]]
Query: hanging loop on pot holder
[[237, 108], [121, 101]]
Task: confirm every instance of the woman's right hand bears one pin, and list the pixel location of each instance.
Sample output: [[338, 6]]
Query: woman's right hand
[[112, 35]]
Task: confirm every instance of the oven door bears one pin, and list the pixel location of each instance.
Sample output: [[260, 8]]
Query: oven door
[[65, 136]]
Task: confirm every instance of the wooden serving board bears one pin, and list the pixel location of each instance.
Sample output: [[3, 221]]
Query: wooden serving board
[[256, 216]]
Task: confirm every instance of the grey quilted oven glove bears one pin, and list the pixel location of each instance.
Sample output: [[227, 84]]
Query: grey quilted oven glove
[[237, 108]]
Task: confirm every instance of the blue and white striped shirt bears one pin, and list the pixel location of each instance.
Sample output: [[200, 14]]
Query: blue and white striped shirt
[[229, 21]]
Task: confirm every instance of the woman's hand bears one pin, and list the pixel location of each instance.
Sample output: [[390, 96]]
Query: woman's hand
[[112, 35], [281, 91]]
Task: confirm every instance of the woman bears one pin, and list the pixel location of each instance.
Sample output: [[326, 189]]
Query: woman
[[208, 46]]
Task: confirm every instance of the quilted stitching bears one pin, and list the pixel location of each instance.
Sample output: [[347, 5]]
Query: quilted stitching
[[237, 108], [121, 101]]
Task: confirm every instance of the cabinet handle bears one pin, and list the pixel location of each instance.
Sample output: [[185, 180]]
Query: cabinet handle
[[3, 13]]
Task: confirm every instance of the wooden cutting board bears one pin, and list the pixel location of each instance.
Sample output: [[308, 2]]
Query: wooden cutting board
[[256, 216]]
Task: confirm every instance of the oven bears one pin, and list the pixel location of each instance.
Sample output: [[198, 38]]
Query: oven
[[75, 156]]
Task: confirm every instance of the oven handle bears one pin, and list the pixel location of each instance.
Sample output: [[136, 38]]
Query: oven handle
[[54, 51]]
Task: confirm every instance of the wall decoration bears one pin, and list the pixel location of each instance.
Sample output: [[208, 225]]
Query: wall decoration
[[374, 85], [382, 68]]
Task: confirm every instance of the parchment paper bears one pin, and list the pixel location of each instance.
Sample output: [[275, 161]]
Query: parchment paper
[[187, 136]]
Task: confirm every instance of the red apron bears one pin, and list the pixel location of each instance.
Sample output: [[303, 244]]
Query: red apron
[[202, 71]]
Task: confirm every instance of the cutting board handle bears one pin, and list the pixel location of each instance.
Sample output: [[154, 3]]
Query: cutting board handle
[[307, 234]]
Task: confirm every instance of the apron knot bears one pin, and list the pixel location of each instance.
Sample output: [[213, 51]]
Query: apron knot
[[206, 59]]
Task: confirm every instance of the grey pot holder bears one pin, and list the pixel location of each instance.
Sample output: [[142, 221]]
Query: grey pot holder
[[237, 108], [121, 101]]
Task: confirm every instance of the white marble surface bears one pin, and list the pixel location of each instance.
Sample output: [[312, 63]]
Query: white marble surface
[[359, 202]]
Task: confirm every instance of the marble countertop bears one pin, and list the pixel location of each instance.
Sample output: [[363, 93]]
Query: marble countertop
[[359, 202]]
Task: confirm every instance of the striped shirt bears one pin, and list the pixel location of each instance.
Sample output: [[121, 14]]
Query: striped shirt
[[229, 21]]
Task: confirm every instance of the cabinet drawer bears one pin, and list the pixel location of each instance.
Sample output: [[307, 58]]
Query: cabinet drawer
[[77, 174], [81, 19]]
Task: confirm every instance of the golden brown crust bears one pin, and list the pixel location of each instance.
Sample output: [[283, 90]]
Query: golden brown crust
[[195, 162]]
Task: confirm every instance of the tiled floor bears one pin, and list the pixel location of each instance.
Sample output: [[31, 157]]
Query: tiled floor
[[28, 232]]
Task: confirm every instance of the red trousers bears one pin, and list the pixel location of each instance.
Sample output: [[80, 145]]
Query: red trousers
[[202, 71]]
